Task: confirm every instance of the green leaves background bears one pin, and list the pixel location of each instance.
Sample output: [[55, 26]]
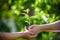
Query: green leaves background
[[23, 13]]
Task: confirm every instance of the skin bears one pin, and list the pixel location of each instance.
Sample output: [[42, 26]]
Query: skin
[[53, 27], [14, 36], [32, 31], [10, 36]]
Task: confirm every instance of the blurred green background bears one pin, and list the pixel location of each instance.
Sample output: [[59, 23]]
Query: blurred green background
[[17, 15]]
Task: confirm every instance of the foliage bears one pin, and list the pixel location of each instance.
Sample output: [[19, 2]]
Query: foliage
[[23, 13]]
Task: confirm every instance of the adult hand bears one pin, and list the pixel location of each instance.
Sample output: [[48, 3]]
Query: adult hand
[[34, 29]]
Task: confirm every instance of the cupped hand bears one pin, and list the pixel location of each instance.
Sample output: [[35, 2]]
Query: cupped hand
[[29, 34]]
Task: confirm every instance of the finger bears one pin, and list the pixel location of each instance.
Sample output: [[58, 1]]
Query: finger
[[33, 36], [30, 27], [31, 32]]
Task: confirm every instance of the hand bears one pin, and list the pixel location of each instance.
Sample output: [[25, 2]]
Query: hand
[[34, 29], [29, 35]]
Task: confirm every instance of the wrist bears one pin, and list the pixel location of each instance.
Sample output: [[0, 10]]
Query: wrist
[[40, 28], [23, 34]]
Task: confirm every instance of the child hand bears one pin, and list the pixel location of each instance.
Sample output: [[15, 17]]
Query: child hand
[[29, 35]]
